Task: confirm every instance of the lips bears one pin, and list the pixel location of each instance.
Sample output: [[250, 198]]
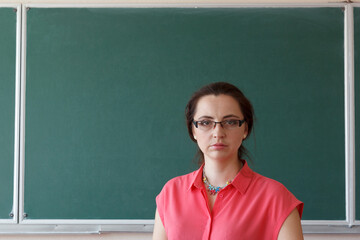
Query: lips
[[218, 146]]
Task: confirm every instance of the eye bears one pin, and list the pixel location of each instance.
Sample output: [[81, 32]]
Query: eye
[[204, 123], [231, 122]]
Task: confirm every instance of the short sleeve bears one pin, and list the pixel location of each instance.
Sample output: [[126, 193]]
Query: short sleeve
[[160, 204], [286, 202]]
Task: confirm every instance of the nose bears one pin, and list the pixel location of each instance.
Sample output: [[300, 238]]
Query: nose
[[218, 131], [218, 123]]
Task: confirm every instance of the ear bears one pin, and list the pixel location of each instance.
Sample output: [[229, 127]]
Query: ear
[[245, 131], [193, 131]]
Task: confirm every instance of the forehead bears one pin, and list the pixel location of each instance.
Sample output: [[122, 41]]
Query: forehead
[[217, 106]]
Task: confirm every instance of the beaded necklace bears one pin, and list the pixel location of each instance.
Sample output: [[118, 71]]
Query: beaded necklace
[[213, 189]]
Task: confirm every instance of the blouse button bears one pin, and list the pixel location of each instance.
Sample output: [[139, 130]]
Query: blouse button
[[221, 195]]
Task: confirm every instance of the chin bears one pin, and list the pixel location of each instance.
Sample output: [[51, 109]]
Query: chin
[[220, 157]]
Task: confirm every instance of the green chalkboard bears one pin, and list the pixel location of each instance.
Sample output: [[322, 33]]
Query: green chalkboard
[[106, 91], [357, 103], [7, 108]]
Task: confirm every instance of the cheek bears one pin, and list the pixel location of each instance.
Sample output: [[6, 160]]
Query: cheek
[[202, 140], [199, 137], [238, 137]]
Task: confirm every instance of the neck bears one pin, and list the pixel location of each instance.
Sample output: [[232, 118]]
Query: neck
[[218, 173]]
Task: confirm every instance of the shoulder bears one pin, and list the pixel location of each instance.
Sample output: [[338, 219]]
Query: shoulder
[[175, 189], [270, 190], [275, 194], [179, 184], [183, 181], [277, 201], [262, 182]]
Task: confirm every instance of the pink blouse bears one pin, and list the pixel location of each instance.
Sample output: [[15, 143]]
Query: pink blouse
[[251, 207]]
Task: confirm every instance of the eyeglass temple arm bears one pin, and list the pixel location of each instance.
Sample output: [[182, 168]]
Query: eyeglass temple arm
[[241, 122]]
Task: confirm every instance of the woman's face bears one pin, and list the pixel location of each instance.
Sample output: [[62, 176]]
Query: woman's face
[[217, 143]]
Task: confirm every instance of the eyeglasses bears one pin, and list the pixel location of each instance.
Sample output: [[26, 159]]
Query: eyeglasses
[[206, 125]]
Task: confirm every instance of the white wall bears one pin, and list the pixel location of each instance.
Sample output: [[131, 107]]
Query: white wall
[[147, 236], [172, 1]]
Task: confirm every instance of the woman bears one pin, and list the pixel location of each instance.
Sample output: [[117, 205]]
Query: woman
[[224, 199]]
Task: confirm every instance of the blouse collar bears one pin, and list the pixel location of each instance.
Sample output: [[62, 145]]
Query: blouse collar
[[241, 182]]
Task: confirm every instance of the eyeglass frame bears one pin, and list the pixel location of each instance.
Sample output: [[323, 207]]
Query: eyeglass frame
[[241, 122]]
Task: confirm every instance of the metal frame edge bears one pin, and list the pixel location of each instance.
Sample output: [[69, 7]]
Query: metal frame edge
[[14, 209], [182, 5], [349, 114], [22, 116]]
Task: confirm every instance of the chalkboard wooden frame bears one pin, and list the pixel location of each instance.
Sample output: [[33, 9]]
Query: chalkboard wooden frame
[[14, 217], [61, 226]]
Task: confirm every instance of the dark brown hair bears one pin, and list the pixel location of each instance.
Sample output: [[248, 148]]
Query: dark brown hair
[[216, 89]]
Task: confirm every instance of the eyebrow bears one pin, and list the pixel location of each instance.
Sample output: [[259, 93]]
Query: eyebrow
[[231, 115], [206, 117], [227, 116]]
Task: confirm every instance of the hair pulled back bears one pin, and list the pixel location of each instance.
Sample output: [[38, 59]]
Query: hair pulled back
[[220, 88]]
